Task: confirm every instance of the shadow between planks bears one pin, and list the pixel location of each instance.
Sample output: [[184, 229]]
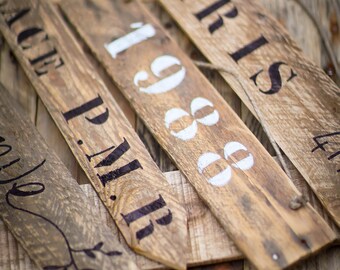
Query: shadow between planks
[[208, 242]]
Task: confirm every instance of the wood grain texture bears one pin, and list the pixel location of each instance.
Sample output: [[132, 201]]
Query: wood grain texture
[[54, 224], [267, 200], [208, 243], [300, 28], [136, 193], [296, 114]]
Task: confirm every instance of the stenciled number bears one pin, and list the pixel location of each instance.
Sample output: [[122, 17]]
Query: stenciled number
[[222, 178], [166, 84], [142, 32], [189, 132]]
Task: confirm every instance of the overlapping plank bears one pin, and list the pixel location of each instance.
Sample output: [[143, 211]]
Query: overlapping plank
[[110, 152], [207, 242], [245, 189], [298, 102], [55, 225]]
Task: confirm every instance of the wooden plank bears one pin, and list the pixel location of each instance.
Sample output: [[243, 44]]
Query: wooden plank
[[255, 197], [55, 225], [135, 192], [213, 76], [303, 120], [208, 242], [15, 80], [299, 26]]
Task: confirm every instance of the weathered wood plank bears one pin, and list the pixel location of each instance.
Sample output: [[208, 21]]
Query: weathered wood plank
[[136, 193], [207, 242], [268, 201], [14, 79], [55, 225], [300, 117], [300, 28]]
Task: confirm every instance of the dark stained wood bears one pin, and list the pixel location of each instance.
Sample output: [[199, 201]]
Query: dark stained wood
[[43, 205], [268, 224], [134, 190]]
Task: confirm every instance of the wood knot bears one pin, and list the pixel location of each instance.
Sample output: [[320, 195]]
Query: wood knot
[[297, 202]]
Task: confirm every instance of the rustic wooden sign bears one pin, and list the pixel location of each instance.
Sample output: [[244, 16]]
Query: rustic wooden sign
[[121, 170], [242, 185], [297, 100], [43, 205], [208, 242]]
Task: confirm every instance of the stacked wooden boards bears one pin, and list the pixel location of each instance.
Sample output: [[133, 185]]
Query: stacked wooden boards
[[227, 167], [207, 244], [300, 117], [97, 132], [35, 204]]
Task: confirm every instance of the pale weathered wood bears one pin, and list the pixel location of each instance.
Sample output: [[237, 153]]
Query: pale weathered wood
[[64, 81], [55, 225], [295, 114], [266, 192]]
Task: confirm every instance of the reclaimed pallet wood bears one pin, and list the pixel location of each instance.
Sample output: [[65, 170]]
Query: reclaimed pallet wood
[[208, 243], [261, 58], [136, 193], [288, 13], [193, 140], [55, 225]]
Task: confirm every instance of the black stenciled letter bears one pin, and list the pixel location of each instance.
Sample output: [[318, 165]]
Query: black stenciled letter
[[275, 77], [100, 119], [321, 145], [248, 49], [146, 210], [11, 17], [213, 7], [43, 62], [30, 33], [113, 157]]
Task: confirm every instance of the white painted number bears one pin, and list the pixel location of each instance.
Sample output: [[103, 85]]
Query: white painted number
[[189, 132], [224, 177], [157, 66], [142, 33]]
